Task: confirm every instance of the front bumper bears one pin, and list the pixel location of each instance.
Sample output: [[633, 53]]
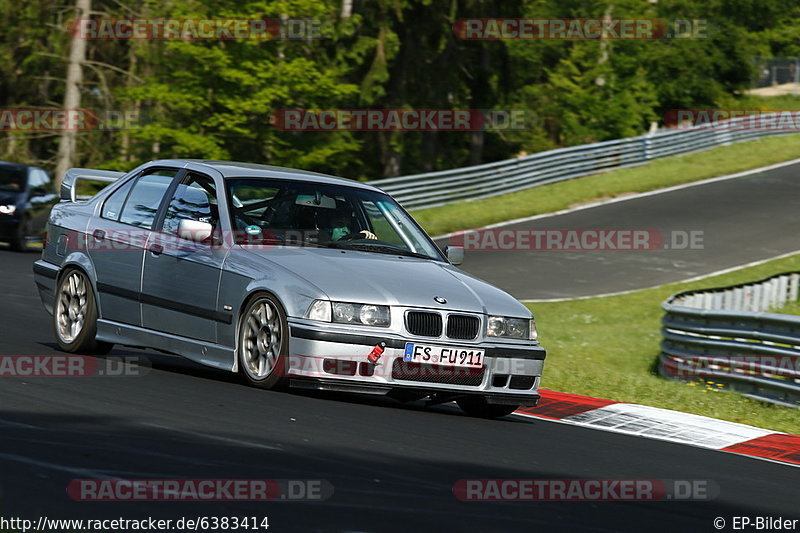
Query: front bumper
[[337, 360]]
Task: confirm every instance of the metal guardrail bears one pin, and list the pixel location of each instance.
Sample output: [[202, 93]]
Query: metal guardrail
[[728, 336], [482, 181]]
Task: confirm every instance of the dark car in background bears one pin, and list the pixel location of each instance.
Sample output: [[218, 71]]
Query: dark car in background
[[26, 197]]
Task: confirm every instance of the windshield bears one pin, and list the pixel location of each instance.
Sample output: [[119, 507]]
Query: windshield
[[12, 178], [297, 213]]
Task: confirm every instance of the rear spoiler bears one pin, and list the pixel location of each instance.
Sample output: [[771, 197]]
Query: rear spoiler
[[74, 175]]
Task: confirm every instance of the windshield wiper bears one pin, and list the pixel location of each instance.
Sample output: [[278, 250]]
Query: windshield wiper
[[377, 248]]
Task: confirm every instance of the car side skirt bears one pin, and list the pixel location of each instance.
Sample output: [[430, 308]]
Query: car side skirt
[[205, 353]]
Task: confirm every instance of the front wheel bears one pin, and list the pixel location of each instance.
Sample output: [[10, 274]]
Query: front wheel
[[478, 406], [75, 316], [264, 343]]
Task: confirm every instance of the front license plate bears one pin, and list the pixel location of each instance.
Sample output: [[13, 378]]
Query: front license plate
[[443, 355]]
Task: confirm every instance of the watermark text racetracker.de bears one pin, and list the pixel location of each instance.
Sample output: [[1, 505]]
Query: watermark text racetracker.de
[[585, 490], [778, 120], [185, 29], [71, 366], [712, 365], [580, 29], [56, 120], [453, 120], [199, 490], [578, 239], [476, 240]]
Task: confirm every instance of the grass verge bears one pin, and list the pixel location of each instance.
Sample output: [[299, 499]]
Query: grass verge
[[657, 174], [607, 347], [791, 308]]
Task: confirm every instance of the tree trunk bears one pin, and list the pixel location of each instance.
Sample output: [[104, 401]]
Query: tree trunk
[[476, 143], [125, 141], [600, 80], [430, 143], [347, 9], [72, 95], [483, 96], [390, 158]]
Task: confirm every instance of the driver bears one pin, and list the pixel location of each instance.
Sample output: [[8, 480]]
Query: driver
[[340, 228]]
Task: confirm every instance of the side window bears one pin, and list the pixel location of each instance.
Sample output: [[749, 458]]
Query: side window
[[114, 203], [145, 198], [39, 181], [194, 199]]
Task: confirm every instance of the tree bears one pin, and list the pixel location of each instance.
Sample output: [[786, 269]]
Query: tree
[[72, 94]]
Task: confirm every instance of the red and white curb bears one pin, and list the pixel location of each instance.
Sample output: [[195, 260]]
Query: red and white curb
[[664, 424]]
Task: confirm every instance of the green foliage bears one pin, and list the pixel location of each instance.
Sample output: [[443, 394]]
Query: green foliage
[[215, 98]]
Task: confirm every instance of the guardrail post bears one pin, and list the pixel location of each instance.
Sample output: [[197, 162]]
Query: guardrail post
[[757, 298], [738, 299]]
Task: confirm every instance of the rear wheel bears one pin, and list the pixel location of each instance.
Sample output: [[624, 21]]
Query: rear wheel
[[264, 343], [478, 406], [75, 315]]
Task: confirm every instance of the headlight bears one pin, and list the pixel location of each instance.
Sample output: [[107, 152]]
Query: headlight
[[349, 313], [511, 328], [8, 209], [343, 312], [320, 310], [374, 315]]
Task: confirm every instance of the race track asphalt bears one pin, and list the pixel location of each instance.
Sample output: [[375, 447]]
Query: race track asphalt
[[392, 466], [740, 220]]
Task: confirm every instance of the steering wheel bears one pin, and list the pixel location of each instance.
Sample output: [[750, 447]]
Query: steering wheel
[[363, 234], [353, 236]]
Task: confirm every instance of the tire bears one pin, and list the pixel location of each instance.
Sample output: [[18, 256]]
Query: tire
[[478, 406], [264, 343], [19, 242], [75, 315]]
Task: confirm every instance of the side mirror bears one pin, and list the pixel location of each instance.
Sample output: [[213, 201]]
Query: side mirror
[[455, 254], [194, 230]]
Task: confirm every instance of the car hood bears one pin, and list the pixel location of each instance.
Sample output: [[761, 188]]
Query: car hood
[[355, 276]]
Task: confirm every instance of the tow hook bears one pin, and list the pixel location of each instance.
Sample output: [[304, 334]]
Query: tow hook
[[376, 353]]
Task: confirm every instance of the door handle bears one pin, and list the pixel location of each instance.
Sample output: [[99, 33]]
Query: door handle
[[99, 234], [156, 249]]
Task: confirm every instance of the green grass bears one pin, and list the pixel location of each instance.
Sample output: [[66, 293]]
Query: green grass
[[791, 308], [607, 348], [655, 175], [766, 103]]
